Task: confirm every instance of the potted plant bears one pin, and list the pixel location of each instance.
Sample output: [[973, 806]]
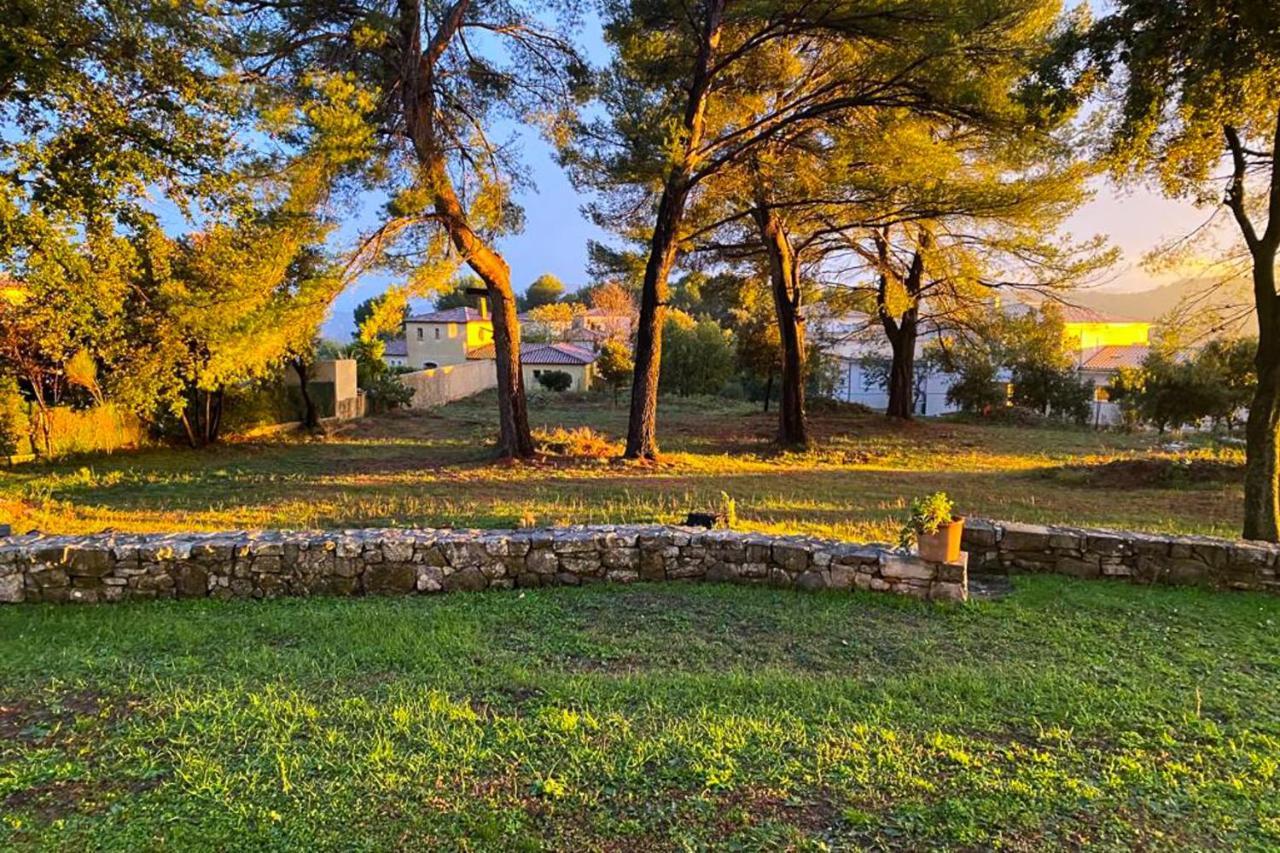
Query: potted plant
[[933, 528]]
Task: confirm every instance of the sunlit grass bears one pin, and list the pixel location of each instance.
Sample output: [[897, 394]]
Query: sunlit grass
[[435, 469]]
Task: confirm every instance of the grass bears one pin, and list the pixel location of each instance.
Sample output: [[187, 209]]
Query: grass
[[435, 469], [1070, 714]]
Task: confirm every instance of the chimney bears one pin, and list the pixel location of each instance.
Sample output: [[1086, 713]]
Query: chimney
[[482, 301]]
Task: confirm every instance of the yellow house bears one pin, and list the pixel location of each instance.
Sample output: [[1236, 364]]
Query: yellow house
[[1087, 331], [446, 337]]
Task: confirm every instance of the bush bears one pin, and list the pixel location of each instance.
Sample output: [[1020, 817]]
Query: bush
[[96, 429], [1052, 389], [15, 426], [976, 389], [555, 380], [385, 392]]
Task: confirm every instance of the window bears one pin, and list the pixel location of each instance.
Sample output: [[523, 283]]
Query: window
[[419, 333], [437, 333], [537, 373]]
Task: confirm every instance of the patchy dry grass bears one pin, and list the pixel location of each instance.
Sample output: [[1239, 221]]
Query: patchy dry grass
[[435, 469]]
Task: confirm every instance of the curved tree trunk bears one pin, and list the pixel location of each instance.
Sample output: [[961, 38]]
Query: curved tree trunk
[[418, 100], [784, 281], [1262, 430], [642, 426], [903, 331]]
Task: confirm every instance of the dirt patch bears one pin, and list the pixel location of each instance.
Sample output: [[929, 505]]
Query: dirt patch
[[57, 800], [31, 722], [1152, 472]]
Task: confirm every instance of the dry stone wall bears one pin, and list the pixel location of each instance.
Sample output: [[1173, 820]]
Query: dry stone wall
[[1137, 557], [265, 564]]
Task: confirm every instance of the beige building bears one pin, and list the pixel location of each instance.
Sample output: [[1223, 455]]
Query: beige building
[[445, 337], [536, 359]]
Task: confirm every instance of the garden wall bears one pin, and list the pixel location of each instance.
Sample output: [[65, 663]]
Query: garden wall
[[113, 567], [1136, 557], [441, 385]]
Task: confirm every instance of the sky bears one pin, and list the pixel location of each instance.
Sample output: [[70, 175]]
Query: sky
[[555, 236]]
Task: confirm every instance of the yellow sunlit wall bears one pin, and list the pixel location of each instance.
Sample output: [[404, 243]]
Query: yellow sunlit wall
[[1089, 336]]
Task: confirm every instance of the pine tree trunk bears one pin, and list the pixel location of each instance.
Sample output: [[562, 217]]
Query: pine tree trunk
[[1262, 447], [784, 281], [418, 100], [1262, 430], [642, 426], [902, 367]]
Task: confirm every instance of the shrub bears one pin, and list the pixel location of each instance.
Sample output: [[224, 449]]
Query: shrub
[[615, 366], [555, 380], [15, 426], [385, 392], [581, 442]]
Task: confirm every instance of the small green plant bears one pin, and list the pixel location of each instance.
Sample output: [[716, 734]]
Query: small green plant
[[928, 514], [555, 380], [729, 509]]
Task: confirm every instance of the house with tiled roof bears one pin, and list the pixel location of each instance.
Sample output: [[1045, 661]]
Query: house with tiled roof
[[536, 359], [441, 338]]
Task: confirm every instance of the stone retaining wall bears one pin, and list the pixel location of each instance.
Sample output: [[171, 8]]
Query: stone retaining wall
[[114, 567], [1137, 557]]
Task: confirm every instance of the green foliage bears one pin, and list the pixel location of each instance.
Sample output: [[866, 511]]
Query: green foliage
[[555, 380], [1177, 87], [368, 314], [697, 355], [15, 427], [1126, 390], [928, 514], [545, 290], [615, 365], [1230, 364], [385, 392], [456, 296], [976, 364]]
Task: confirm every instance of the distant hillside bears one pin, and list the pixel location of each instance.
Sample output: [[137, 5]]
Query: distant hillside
[[1153, 304]]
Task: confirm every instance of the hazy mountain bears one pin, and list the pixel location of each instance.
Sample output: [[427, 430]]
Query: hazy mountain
[[1155, 303]]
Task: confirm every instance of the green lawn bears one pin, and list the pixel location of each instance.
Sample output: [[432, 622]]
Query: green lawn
[[436, 469], [650, 717]]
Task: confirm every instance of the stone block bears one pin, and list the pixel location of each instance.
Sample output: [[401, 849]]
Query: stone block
[[791, 557], [11, 591], [390, 579], [468, 579], [1024, 537], [191, 580], [902, 567], [89, 561], [1088, 567], [979, 533], [812, 580]]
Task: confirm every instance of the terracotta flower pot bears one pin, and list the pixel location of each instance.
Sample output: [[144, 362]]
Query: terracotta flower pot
[[944, 545]]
